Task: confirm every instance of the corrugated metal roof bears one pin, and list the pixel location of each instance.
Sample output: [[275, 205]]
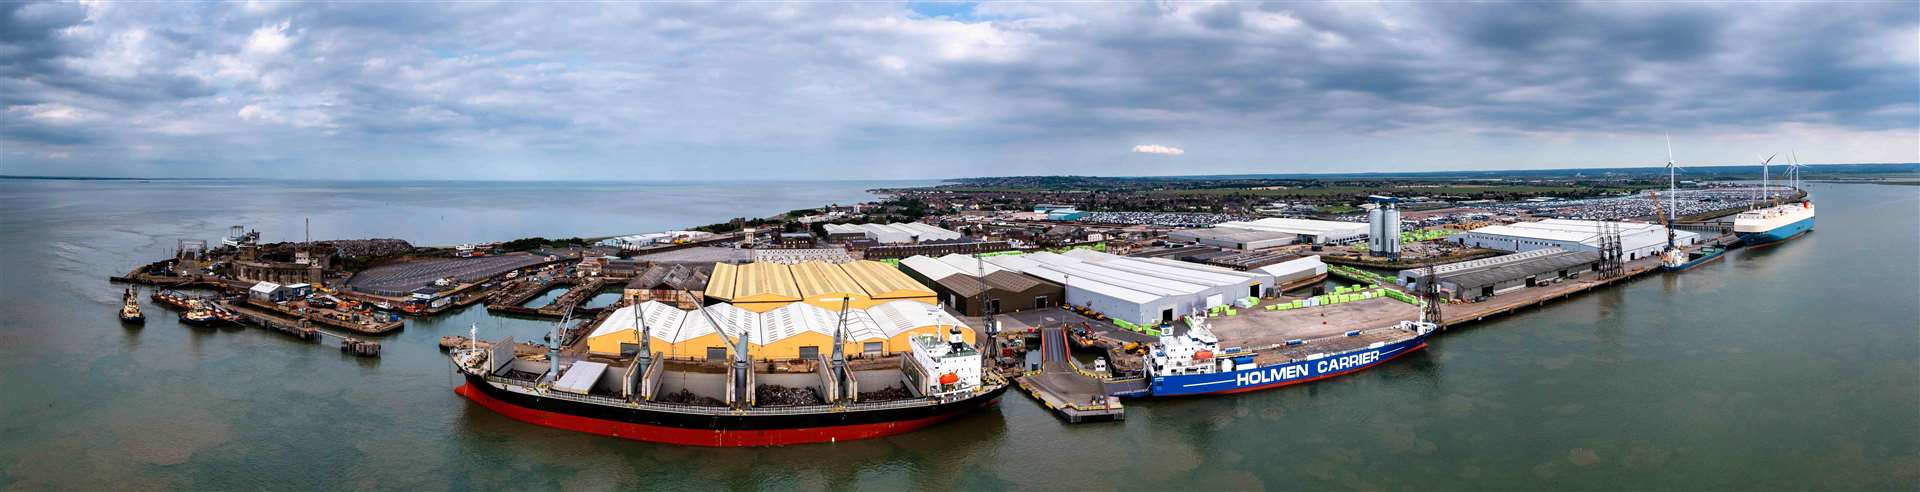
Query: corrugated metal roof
[[881, 280], [1012, 282], [930, 268], [720, 283], [1502, 272], [1131, 280], [1298, 226], [816, 279], [969, 264], [765, 281]]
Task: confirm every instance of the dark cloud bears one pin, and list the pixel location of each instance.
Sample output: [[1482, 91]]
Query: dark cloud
[[995, 86]]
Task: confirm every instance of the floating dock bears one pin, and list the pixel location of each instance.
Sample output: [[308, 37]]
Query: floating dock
[[1071, 393]]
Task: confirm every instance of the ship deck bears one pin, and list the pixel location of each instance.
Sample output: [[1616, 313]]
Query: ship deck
[[521, 378]]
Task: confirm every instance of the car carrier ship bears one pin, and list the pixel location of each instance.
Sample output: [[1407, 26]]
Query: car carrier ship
[[1194, 363], [1774, 224], [942, 379], [1778, 221]]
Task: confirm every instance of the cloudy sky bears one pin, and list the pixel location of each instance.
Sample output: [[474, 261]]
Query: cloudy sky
[[907, 90]]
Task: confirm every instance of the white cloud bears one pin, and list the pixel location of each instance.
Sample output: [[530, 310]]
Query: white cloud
[[1158, 149], [55, 113], [269, 40]]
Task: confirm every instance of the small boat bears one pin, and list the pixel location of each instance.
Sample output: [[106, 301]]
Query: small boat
[[199, 314], [130, 308]]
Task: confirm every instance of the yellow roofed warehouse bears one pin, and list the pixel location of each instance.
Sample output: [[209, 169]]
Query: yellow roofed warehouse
[[797, 330], [763, 287]]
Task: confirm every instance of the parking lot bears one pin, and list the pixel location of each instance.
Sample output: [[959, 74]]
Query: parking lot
[[399, 279]]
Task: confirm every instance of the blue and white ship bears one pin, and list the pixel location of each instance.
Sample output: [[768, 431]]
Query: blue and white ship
[[1772, 224], [1779, 222], [1193, 363]]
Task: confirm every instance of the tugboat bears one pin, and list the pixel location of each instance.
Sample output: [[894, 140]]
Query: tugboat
[[130, 309]]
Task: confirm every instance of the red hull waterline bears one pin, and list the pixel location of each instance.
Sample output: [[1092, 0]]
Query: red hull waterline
[[696, 437], [1320, 377]]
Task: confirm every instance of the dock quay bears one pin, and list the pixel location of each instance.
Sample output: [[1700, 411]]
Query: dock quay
[[245, 315], [356, 323], [1464, 313], [578, 291], [1073, 394], [300, 328]]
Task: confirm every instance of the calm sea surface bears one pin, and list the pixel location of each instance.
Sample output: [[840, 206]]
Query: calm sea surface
[[1794, 366]]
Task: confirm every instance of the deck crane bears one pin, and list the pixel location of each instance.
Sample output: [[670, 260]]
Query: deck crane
[[740, 393], [1672, 257], [843, 388]]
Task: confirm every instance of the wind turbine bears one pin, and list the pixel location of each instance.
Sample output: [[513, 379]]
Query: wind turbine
[[1794, 169], [1673, 185], [1764, 166]]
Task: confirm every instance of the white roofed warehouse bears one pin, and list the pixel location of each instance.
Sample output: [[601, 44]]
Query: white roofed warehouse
[[1304, 231], [1145, 291], [895, 233], [1637, 240]]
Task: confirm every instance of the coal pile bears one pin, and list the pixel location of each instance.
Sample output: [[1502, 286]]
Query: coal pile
[[688, 398], [767, 395], [890, 393]]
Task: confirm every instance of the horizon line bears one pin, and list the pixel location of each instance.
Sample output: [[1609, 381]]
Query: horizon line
[[1248, 174]]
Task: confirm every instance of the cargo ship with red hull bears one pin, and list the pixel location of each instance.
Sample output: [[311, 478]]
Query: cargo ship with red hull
[[716, 426], [736, 401]]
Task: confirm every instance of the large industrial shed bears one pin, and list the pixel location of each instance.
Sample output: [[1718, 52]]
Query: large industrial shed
[[1488, 277], [762, 287], [1224, 285], [999, 291], [1241, 239], [1140, 290], [1637, 240], [795, 331], [895, 233], [1306, 231], [1296, 272]]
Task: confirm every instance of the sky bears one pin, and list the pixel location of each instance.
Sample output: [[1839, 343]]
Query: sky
[[644, 91]]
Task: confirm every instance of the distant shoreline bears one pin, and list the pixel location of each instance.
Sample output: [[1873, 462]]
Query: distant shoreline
[[1857, 168]]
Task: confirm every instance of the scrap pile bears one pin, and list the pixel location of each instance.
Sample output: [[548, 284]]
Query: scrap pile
[[768, 395]]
